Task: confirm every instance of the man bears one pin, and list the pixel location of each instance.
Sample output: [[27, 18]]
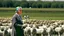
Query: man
[[16, 20]]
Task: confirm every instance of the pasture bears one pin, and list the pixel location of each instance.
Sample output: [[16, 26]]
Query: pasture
[[49, 18], [35, 13]]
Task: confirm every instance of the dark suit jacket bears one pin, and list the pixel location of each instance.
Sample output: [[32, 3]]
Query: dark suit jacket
[[16, 20]]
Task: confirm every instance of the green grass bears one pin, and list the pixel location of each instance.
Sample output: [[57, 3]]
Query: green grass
[[48, 18], [41, 15], [34, 9]]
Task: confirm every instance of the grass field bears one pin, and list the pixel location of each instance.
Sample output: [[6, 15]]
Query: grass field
[[41, 14]]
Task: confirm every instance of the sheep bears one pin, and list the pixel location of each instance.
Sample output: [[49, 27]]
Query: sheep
[[48, 30], [39, 30], [4, 24], [0, 23], [1, 33], [58, 29], [9, 24], [9, 31], [42, 30], [24, 21], [52, 26], [4, 21], [32, 30], [5, 30], [44, 26], [63, 27], [26, 30], [47, 26], [2, 29]]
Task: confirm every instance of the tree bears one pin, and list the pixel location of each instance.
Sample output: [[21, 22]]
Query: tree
[[60, 5], [55, 5], [39, 4], [34, 5], [24, 4], [23, 0]]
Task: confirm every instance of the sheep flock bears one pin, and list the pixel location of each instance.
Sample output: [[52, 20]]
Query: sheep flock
[[33, 27]]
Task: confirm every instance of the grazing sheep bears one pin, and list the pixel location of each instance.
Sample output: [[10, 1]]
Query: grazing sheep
[[1, 32], [32, 30], [9, 31], [48, 30], [39, 30], [58, 30], [27, 30], [33, 27]]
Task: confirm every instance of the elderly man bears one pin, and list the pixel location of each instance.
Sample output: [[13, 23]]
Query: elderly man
[[16, 22]]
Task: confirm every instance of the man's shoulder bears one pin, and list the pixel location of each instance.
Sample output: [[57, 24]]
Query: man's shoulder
[[15, 15]]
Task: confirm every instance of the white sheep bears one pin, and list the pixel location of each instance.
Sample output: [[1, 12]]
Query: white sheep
[[40, 31], [58, 29], [9, 31], [32, 30], [44, 26], [26, 30], [1, 32], [48, 30], [63, 27]]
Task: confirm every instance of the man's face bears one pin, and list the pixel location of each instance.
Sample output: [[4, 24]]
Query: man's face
[[20, 11]]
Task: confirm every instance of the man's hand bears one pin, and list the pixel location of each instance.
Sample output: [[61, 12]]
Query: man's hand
[[19, 25], [22, 26]]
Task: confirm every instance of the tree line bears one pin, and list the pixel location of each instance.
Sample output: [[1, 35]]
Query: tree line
[[33, 4]]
